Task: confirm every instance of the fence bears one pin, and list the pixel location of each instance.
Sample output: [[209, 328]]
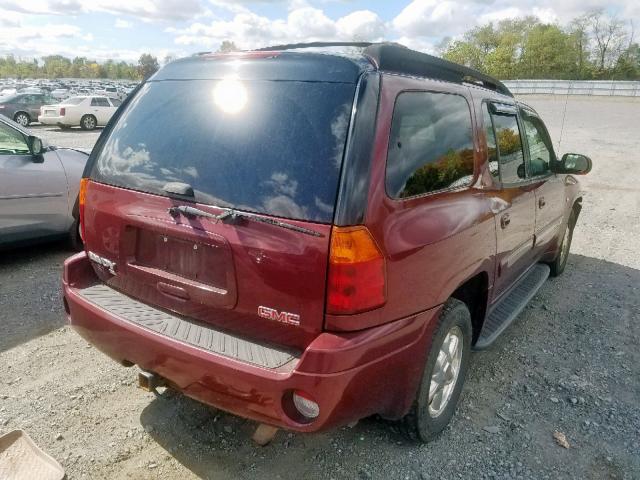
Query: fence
[[574, 87]]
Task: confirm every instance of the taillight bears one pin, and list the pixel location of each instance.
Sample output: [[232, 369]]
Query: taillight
[[63, 111], [82, 196], [356, 272]]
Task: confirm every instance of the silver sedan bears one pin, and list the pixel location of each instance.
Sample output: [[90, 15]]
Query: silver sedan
[[39, 186]]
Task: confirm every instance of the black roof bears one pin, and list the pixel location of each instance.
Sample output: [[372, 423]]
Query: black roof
[[393, 57], [344, 67]]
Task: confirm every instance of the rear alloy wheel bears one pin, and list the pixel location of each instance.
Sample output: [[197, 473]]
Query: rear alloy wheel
[[88, 122], [22, 118], [444, 373]]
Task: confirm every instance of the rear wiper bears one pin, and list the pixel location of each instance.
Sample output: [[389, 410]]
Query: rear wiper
[[230, 214]]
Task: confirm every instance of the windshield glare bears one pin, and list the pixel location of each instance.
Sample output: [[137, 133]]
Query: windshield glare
[[271, 147]]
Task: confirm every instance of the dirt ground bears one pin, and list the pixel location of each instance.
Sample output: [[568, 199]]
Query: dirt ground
[[570, 363]]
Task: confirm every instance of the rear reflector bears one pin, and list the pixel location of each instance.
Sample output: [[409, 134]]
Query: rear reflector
[[63, 111], [305, 405], [82, 196], [356, 272]]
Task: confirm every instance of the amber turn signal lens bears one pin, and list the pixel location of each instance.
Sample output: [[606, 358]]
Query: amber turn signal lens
[[82, 197], [356, 281]]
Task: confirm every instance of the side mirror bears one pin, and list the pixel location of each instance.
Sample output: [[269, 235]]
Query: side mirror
[[36, 148], [574, 163]]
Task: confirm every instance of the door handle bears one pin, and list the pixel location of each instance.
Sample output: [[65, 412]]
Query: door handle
[[505, 220], [541, 202]]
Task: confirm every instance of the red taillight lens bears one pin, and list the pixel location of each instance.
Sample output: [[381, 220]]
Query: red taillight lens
[[82, 196], [356, 272], [63, 111]]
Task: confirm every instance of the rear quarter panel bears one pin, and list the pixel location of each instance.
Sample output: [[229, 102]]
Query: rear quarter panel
[[432, 243]]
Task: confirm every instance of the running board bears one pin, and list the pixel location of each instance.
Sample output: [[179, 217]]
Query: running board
[[510, 306]]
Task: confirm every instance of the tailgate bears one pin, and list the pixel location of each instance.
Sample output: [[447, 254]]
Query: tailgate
[[259, 280]]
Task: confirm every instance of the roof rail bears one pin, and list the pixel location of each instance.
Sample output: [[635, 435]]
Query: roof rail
[[397, 58], [291, 46], [394, 57]]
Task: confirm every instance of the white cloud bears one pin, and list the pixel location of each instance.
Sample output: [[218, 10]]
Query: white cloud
[[173, 10], [432, 18], [123, 23], [361, 25], [304, 23]]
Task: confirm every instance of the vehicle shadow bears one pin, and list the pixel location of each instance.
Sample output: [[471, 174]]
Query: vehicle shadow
[[30, 292], [564, 320]]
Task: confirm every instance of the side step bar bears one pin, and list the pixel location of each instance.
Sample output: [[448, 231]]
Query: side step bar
[[510, 306]]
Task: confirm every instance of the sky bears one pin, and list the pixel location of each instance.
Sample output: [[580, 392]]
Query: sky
[[124, 29]]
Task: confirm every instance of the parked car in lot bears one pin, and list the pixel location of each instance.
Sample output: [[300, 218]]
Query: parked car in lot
[[88, 112], [24, 108], [314, 238], [39, 186]]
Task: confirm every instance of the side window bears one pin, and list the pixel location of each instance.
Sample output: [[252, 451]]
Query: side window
[[510, 154], [115, 102], [103, 102], [540, 149], [492, 149], [431, 144], [12, 142], [94, 102]]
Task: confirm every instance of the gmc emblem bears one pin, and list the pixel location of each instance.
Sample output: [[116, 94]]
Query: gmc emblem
[[282, 317]]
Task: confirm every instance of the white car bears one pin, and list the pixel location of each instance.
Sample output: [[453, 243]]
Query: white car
[[88, 111]]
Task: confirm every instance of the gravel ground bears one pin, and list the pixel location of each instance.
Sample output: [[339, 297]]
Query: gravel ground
[[569, 364]]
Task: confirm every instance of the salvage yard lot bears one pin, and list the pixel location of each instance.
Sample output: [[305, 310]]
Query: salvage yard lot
[[570, 364]]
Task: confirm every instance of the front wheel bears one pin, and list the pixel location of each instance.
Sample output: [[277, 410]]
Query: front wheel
[[560, 262], [444, 373], [88, 122]]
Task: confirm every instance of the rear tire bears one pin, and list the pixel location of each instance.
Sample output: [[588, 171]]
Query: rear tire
[[22, 118], [444, 374], [88, 122], [74, 240], [560, 262]]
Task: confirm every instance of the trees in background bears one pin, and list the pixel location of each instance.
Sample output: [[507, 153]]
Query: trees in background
[[147, 65], [57, 66], [594, 46]]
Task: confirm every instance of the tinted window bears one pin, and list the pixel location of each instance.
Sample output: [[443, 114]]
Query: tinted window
[[100, 102], [511, 158], [431, 144], [264, 146], [115, 102], [540, 151]]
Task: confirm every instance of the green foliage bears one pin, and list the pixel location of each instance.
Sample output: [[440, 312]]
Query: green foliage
[[595, 45], [227, 46], [147, 65], [57, 66]]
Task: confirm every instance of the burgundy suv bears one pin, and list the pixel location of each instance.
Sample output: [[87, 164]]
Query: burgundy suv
[[308, 238]]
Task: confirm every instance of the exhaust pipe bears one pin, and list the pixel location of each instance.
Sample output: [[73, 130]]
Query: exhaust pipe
[[149, 381]]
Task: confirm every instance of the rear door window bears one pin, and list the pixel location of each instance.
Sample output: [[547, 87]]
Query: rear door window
[[431, 144], [272, 147]]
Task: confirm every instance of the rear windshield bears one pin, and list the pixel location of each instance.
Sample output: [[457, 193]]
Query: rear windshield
[[74, 100], [272, 147]]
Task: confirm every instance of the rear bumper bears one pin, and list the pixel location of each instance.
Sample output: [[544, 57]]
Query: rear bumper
[[351, 375], [47, 120]]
